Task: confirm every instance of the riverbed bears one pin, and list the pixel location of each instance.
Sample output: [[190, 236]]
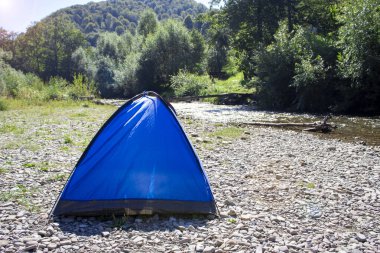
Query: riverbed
[[277, 190]]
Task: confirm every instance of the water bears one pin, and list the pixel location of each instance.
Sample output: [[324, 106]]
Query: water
[[365, 130]]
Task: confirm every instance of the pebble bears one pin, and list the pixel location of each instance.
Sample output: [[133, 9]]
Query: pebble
[[105, 234], [4, 243], [209, 249], [66, 242], [199, 247], [361, 237], [52, 246]]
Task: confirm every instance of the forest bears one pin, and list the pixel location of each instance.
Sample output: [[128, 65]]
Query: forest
[[295, 55]]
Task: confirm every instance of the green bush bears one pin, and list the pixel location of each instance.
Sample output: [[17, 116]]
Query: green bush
[[16, 84], [3, 105], [296, 71], [81, 87], [55, 89], [187, 84]]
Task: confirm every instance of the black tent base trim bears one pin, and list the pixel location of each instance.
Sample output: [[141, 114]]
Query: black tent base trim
[[132, 207]]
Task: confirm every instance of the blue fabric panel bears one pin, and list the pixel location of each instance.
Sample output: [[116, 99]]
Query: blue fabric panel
[[142, 153]]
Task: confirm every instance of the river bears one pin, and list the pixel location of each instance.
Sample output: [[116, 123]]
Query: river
[[365, 130]]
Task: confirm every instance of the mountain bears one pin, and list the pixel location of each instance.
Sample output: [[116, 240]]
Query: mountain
[[121, 15]]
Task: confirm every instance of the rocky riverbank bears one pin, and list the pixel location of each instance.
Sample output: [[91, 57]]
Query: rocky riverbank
[[277, 190]]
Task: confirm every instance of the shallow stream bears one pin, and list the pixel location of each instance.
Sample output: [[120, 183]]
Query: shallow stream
[[365, 130]]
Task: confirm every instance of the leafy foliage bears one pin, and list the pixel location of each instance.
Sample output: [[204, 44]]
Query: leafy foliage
[[187, 84], [359, 60], [169, 50], [292, 72], [304, 55], [124, 15], [148, 23], [46, 48]]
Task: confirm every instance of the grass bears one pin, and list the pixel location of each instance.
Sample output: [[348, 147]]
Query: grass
[[44, 167], [232, 220], [118, 222], [7, 128], [228, 132], [65, 148], [56, 178], [307, 185], [67, 140], [79, 115], [18, 104], [3, 105], [32, 147], [43, 125], [20, 195], [29, 165], [3, 171], [231, 85], [12, 145]]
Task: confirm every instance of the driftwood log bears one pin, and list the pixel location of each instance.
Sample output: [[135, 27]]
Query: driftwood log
[[319, 126]]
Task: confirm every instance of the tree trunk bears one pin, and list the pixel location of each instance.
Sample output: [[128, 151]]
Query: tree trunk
[[290, 13], [259, 20]]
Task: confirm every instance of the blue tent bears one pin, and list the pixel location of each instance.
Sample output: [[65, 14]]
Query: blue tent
[[140, 162]]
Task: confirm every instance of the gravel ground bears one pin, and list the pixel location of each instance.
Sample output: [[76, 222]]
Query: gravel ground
[[277, 190]]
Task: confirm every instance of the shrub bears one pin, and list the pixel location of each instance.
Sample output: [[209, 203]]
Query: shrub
[[3, 105], [81, 87], [295, 71], [187, 84], [56, 88]]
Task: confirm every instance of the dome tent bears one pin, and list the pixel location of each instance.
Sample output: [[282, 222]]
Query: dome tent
[[140, 162]]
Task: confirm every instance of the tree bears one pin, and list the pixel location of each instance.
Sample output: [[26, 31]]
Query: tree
[[359, 61], [148, 23], [320, 14], [104, 78], [295, 72], [188, 22], [165, 53], [198, 52], [46, 48]]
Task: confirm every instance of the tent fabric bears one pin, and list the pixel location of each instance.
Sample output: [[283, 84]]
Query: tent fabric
[[140, 161]]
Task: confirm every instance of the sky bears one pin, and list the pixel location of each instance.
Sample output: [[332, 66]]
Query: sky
[[17, 15]]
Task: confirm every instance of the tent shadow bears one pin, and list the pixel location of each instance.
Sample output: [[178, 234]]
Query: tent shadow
[[92, 226]]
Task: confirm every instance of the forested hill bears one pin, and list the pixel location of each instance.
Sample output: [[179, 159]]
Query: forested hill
[[121, 15]]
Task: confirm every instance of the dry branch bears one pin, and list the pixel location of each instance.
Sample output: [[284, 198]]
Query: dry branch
[[319, 126]]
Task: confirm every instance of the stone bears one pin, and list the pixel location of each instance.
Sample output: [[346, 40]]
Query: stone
[[31, 243], [181, 228], [229, 202], [138, 239], [65, 242], [52, 246], [4, 243], [259, 249], [105, 234], [361, 237], [232, 212], [283, 249], [31, 247], [209, 249], [42, 233], [199, 247], [218, 243], [185, 240], [246, 217]]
